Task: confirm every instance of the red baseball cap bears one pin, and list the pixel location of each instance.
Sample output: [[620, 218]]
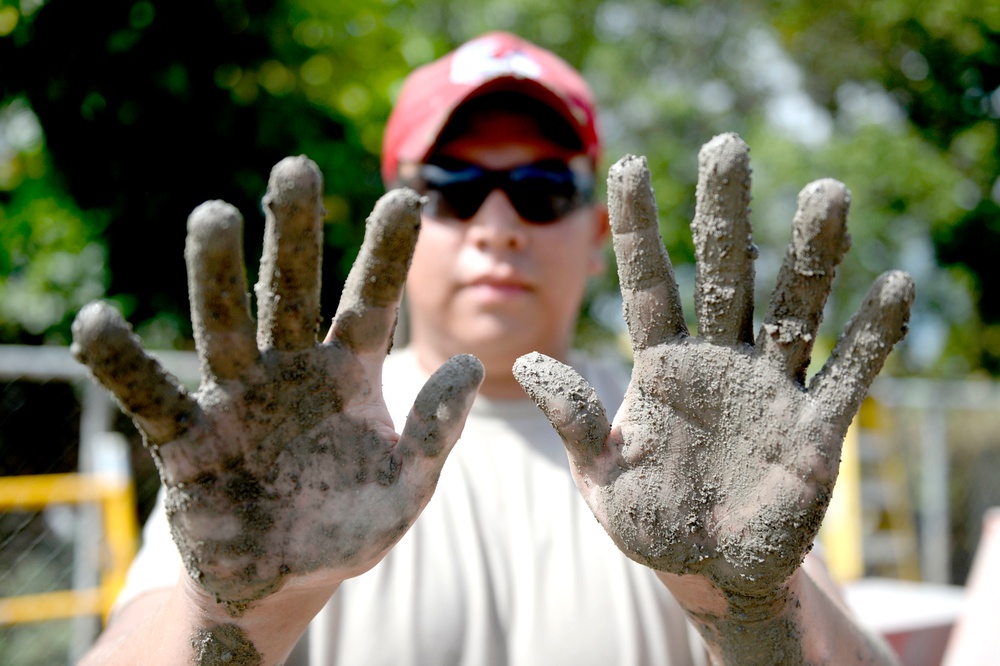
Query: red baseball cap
[[494, 62]]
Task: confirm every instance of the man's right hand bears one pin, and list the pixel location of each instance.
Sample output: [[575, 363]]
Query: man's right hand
[[285, 461]]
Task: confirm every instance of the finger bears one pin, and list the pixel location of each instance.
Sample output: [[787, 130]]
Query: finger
[[857, 358], [368, 307], [724, 249], [291, 264], [439, 412], [106, 344], [571, 405], [819, 241], [217, 283], [651, 301]]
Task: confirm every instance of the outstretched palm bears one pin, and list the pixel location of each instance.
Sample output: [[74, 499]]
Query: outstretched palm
[[285, 461], [721, 462]]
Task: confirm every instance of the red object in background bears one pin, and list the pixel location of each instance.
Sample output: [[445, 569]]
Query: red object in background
[[976, 639]]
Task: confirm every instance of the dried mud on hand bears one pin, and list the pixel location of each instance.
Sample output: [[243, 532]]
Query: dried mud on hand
[[285, 461], [721, 461]]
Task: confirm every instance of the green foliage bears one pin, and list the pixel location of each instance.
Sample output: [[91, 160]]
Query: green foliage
[[940, 63], [160, 105], [52, 259], [51, 264]]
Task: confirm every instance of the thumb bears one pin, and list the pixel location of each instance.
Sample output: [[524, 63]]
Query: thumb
[[440, 409], [570, 404]]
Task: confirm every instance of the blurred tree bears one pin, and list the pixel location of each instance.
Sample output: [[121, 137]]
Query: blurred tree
[[52, 259], [147, 110], [670, 76], [119, 117], [156, 106], [940, 63]]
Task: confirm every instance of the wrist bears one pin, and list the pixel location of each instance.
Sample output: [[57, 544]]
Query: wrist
[[260, 631], [700, 596], [739, 628]]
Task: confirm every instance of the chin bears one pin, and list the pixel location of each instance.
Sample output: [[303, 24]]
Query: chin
[[504, 336], [499, 343]]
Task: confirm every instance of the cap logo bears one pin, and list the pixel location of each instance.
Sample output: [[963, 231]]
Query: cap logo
[[482, 60]]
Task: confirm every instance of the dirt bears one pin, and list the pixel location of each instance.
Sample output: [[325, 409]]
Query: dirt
[[721, 462], [217, 288], [646, 276], [288, 288], [819, 242], [724, 249], [104, 342], [285, 461], [370, 305], [225, 644], [569, 402]]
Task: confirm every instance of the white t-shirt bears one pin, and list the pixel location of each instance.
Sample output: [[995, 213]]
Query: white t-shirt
[[506, 565]]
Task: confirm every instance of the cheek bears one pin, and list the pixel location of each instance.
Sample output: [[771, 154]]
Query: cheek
[[567, 264], [566, 257], [433, 258]]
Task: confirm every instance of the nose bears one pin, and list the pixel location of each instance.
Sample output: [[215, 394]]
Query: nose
[[496, 225]]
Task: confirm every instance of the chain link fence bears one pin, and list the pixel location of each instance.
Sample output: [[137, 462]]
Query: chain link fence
[[60, 562]]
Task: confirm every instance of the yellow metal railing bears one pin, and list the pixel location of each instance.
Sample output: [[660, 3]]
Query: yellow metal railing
[[116, 497]]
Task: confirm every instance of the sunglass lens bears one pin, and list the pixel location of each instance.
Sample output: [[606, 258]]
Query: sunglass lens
[[462, 200], [455, 193], [542, 194]]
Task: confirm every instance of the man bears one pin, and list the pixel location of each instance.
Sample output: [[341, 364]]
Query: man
[[294, 503]]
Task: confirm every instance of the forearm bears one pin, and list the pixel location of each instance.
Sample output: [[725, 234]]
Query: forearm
[[802, 625], [185, 626]]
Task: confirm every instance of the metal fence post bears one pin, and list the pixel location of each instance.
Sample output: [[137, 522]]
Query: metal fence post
[[935, 532], [95, 422]]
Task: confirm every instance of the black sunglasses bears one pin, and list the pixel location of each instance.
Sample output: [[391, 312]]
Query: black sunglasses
[[542, 192]]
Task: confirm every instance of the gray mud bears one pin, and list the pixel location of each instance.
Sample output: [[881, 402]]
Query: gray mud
[[368, 310], [724, 249], [283, 462], [105, 343], [569, 402], [727, 461], [819, 242], [650, 296], [224, 645], [288, 289]]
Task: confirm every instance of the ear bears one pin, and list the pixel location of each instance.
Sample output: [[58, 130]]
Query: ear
[[602, 231]]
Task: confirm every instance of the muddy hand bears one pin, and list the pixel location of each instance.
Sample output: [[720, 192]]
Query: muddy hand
[[721, 462], [285, 461]]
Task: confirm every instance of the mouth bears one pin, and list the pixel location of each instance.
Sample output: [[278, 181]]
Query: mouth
[[492, 288]]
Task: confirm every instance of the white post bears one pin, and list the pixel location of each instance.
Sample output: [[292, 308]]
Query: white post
[[95, 424], [935, 508]]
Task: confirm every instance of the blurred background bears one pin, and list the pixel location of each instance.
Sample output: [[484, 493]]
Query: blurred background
[[117, 118]]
